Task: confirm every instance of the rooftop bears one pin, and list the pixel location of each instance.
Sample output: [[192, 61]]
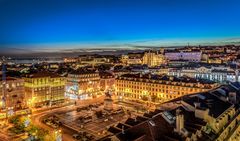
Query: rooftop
[[42, 74], [209, 101], [9, 78], [155, 125], [166, 78], [83, 71], [106, 74]]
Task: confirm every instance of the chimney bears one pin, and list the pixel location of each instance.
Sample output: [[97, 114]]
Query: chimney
[[123, 130], [232, 97], [197, 105]]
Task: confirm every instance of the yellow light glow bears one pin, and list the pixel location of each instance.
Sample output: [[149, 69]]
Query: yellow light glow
[[145, 92]]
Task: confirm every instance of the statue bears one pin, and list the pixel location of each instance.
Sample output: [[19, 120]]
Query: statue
[[108, 102]]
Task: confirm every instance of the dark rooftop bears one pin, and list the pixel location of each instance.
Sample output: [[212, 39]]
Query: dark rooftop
[[167, 78], [83, 71], [106, 74], [114, 130], [9, 78], [42, 74], [208, 101], [153, 126]]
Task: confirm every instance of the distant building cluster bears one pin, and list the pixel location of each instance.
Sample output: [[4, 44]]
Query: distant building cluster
[[219, 73], [184, 56]]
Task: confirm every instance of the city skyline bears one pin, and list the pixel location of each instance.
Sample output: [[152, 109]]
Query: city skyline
[[52, 25], [187, 93], [75, 48], [120, 70]]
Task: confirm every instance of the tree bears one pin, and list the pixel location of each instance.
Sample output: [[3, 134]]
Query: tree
[[42, 134], [14, 120], [49, 138], [31, 129]]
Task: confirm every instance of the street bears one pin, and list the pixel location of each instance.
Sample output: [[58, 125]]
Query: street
[[66, 133]]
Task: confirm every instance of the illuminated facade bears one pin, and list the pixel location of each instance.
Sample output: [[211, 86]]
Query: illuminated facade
[[187, 56], [158, 88], [211, 116], [82, 84], [124, 59], [153, 59], [44, 88], [219, 74], [107, 81], [128, 60], [70, 60], [95, 61], [14, 92]]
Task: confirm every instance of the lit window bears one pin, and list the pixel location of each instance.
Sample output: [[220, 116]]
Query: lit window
[[13, 85]]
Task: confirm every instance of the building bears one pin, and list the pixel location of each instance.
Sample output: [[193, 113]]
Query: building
[[93, 59], [220, 74], [131, 59], [14, 94], [158, 88], [205, 116], [82, 84], [107, 81], [214, 60], [185, 56], [70, 60], [44, 88], [153, 59], [124, 59]]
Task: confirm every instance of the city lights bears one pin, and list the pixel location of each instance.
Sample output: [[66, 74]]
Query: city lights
[[120, 70]]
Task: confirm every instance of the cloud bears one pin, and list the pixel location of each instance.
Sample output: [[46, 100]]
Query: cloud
[[74, 48], [14, 50]]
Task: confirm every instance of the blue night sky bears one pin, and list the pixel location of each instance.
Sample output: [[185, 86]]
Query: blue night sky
[[34, 22]]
